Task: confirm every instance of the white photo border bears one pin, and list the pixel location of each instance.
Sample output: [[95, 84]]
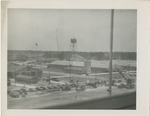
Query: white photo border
[[143, 52]]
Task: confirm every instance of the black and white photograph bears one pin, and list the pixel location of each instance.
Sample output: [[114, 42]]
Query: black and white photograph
[[75, 57], [72, 59]]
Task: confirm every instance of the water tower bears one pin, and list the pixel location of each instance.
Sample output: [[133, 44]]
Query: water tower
[[73, 47], [73, 44]]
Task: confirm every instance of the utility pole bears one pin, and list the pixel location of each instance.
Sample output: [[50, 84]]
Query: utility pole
[[15, 76], [70, 65], [49, 77], [111, 51]]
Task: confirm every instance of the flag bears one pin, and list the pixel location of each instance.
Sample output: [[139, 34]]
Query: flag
[[36, 44]]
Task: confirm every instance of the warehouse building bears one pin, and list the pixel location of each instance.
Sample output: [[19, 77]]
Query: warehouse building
[[77, 67], [26, 79], [22, 73], [90, 66]]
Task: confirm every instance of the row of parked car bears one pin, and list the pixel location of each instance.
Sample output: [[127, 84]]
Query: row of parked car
[[24, 91], [17, 93], [68, 86]]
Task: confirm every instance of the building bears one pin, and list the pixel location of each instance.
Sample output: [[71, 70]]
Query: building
[[90, 66], [76, 70], [26, 79], [23, 73], [85, 69], [77, 67]]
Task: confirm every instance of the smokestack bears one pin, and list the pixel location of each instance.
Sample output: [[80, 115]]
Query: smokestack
[[87, 67]]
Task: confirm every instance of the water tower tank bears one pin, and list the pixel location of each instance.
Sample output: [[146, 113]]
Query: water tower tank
[[73, 41]]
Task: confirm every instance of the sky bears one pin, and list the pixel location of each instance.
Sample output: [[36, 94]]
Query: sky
[[91, 28]]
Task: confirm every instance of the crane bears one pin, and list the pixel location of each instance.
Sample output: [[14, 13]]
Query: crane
[[129, 81]]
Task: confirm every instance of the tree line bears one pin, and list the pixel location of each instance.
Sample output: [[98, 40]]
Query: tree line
[[64, 55], [92, 55]]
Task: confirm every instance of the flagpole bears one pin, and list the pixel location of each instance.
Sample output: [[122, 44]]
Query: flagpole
[[111, 51], [34, 52], [36, 45]]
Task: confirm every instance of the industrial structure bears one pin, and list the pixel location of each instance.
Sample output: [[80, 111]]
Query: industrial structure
[[24, 74], [73, 48], [89, 66]]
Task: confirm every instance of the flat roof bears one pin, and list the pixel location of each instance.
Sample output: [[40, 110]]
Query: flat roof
[[13, 67], [96, 64], [24, 77], [73, 68]]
